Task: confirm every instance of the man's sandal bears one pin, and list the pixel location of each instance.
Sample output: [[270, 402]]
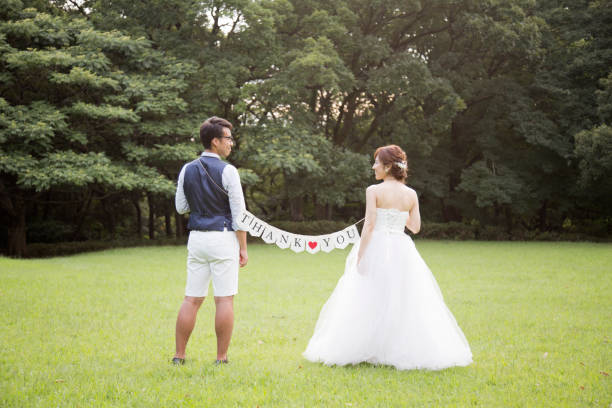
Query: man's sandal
[[178, 361]]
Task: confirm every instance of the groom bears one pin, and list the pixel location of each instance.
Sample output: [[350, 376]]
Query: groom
[[210, 190]]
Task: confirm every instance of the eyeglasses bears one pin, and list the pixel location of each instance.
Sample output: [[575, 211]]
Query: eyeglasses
[[230, 138]]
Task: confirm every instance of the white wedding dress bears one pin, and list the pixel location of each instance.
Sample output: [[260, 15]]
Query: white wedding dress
[[389, 310]]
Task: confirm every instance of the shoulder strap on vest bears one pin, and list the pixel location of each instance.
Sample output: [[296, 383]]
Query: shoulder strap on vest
[[211, 179]]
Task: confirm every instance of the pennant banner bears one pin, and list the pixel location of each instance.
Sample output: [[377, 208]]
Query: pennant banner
[[298, 243]]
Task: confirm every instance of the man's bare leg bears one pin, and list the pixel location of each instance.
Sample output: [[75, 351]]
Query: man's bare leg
[[185, 323], [224, 324]]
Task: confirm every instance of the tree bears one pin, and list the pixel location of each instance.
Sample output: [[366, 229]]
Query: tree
[[295, 168], [593, 150], [503, 106], [486, 159], [76, 101], [574, 92], [351, 74]]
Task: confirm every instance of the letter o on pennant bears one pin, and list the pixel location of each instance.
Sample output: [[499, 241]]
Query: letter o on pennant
[[340, 241]]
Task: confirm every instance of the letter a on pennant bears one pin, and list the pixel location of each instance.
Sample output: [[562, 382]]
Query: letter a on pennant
[[270, 235]]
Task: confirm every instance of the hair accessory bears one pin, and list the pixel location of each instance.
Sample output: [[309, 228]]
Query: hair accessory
[[402, 165]]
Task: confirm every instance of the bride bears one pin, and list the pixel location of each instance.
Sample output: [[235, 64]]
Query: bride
[[387, 307]]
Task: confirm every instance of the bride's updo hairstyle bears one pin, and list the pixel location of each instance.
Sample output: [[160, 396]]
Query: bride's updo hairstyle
[[394, 157]]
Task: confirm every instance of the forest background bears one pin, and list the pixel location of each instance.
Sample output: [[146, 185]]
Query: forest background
[[504, 108]]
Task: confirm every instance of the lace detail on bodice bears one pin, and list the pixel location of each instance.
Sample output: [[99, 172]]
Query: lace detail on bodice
[[390, 220]]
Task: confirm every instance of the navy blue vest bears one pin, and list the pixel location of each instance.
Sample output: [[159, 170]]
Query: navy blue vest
[[210, 209]]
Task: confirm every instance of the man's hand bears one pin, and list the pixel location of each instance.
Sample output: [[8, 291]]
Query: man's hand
[[244, 257], [242, 242]]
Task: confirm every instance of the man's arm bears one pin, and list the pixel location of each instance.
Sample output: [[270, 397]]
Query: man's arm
[[231, 183], [180, 201], [242, 240]]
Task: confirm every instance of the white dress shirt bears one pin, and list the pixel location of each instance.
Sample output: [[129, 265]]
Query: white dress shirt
[[230, 179]]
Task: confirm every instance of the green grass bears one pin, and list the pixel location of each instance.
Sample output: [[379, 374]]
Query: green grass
[[98, 330]]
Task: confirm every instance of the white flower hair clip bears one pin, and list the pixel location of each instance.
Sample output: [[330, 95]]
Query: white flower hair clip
[[402, 165]]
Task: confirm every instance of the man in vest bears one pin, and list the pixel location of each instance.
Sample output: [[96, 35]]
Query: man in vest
[[209, 189]]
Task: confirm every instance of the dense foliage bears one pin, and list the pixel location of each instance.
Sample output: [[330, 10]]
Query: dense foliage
[[503, 106]]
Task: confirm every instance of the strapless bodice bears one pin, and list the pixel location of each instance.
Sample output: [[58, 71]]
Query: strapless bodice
[[390, 220]]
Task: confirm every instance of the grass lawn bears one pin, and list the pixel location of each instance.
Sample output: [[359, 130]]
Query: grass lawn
[[97, 329]]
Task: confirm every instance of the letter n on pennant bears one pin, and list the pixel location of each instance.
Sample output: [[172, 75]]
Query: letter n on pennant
[[283, 240]]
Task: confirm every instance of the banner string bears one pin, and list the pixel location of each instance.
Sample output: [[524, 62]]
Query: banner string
[[225, 192]]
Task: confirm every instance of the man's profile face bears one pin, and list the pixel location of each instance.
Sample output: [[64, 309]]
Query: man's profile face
[[224, 144]]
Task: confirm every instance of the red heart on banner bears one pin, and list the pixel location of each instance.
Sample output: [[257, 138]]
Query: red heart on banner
[[312, 244]]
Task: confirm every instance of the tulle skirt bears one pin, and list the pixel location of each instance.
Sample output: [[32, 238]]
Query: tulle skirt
[[388, 310]]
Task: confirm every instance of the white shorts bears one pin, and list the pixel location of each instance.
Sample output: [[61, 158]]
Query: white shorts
[[212, 254]]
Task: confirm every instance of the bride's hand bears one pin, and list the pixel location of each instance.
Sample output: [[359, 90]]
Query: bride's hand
[[359, 268]]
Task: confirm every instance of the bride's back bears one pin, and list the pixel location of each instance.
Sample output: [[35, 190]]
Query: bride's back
[[394, 194]]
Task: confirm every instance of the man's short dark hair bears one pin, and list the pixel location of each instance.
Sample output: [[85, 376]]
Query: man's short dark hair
[[213, 128]]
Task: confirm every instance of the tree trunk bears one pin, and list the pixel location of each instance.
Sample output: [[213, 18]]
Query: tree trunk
[[330, 211], [496, 213], [17, 230], [347, 125], [81, 216], [542, 218], [449, 212], [109, 216], [136, 203], [320, 211], [508, 217], [180, 225], [297, 208], [168, 217], [151, 216], [445, 215], [46, 207]]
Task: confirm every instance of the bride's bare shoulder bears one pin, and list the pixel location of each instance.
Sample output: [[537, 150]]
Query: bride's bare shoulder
[[410, 190]]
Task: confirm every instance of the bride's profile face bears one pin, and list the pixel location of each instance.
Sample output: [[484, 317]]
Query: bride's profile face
[[379, 169]]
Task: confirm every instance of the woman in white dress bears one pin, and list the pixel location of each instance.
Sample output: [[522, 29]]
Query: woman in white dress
[[387, 307]]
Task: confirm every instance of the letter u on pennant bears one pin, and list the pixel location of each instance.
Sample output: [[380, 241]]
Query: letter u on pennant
[[352, 234]]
